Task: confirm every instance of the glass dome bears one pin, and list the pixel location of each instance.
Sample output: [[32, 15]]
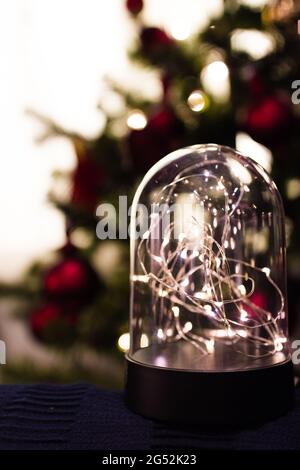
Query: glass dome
[[208, 274], [208, 264]]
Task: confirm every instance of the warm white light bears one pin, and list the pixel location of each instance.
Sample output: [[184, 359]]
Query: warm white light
[[185, 282], [183, 254], [146, 235], [124, 342], [165, 242], [137, 120], [220, 186], [228, 333], [187, 327], [215, 80], [210, 346], [188, 221], [207, 288], [240, 171], [220, 68], [260, 239], [258, 4], [180, 30], [209, 311], [242, 333], [266, 271], [279, 341], [197, 101], [244, 315], [160, 333], [175, 311], [201, 295], [208, 308], [81, 238], [259, 153], [162, 292], [232, 243], [182, 18], [140, 278], [278, 344], [293, 188], [242, 289], [255, 43], [144, 343]]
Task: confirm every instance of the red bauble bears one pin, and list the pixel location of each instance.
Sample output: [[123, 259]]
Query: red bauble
[[162, 134], [155, 40], [72, 282], [49, 314], [134, 6], [164, 121], [259, 299], [257, 87], [269, 118], [88, 178]]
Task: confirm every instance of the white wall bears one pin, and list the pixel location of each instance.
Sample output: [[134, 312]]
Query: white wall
[[53, 56]]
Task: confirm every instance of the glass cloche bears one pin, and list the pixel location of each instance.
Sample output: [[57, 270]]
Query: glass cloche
[[208, 320]]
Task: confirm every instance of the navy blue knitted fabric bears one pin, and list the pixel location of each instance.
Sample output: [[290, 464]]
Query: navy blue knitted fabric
[[83, 417]]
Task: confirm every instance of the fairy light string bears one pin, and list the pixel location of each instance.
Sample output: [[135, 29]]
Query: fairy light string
[[178, 264]]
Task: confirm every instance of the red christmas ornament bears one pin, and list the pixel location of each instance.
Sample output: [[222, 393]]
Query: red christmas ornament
[[259, 299], [269, 119], [257, 87], [134, 6], [48, 315], [163, 122], [72, 282], [162, 134], [88, 178], [155, 41], [87, 182]]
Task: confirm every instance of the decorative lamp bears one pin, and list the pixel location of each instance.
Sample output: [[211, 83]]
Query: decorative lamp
[[208, 319]]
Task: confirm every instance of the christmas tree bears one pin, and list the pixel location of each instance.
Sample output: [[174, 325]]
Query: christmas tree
[[230, 83]]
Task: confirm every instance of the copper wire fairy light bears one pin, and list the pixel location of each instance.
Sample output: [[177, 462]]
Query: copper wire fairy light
[[219, 271]]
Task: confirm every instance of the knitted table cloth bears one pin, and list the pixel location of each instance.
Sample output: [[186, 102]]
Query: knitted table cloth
[[83, 417]]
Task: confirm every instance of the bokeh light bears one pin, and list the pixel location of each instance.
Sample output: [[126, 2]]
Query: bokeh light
[[137, 120], [197, 101], [215, 80]]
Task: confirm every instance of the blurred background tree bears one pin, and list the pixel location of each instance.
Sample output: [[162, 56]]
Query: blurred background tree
[[229, 84]]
